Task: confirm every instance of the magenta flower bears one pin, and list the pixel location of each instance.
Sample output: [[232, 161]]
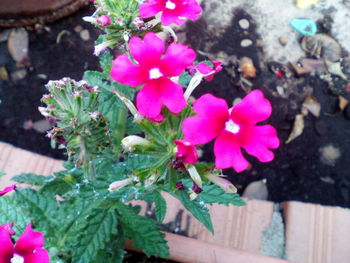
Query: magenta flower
[[28, 248], [174, 11], [208, 71], [154, 70], [104, 20], [7, 189], [235, 129], [186, 152]]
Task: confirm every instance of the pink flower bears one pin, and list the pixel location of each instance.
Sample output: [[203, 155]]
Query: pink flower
[[209, 72], [28, 248], [174, 11], [154, 70], [186, 152], [6, 190], [235, 129], [104, 20]]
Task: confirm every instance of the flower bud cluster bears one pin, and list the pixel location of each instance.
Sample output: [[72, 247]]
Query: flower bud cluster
[[80, 127]]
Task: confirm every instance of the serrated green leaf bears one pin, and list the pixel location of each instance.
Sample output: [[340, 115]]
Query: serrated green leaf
[[10, 211], [197, 208], [213, 194], [132, 127], [42, 208], [160, 206], [96, 78], [32, 179], [184, 79], [101, 225], [143, 231], [140, 161]]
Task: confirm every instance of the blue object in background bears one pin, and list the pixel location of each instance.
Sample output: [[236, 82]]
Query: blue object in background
[[304, 26]]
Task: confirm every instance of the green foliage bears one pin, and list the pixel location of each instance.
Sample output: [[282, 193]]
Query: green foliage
[[143, 231], [2, 174], [197, 208], [213, 194], [32, 179], [100, 225], [160, 206], [11, 211]]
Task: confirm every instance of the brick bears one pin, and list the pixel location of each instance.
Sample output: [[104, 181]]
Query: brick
[[14, 161], [235, 227], [184, 249], [316, 234]]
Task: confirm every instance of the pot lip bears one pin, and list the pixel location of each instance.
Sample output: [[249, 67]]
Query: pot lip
[[26, 18]]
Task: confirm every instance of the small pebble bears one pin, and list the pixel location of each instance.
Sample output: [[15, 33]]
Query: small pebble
[[78, 28], [283, 40], [246, 43], [244, 23], [18, 75], [85, 35], [18, 44], [329, 154]]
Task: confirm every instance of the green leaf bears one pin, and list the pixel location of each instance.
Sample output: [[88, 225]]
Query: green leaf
[[96, 78], [11, 211], [143, 231], [197, 208], [185, 79], [32, 179], [160, 206], [140, 161], [42, 208], [213, 194], [101, 225], [106, 62], [2, 174], [132, 127]]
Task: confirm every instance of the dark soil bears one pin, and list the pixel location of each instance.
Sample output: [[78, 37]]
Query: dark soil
[[297, 173]]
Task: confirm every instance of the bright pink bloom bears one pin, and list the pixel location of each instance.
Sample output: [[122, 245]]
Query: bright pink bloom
[[104, 20], [235, 129], [28, 248], [209, 71], [174, 11], [153, 70], [7, 189], [186, 152]]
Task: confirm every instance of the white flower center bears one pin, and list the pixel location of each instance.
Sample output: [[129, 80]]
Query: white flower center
[[232, 127], [17, 259], [155, 73], [170, 5]]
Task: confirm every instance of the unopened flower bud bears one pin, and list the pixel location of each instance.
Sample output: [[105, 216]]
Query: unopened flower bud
[[180, 186], [104, 20], [195, 175], [138, 22], [95, 115], [223, 183], [115, 186], [130, 142], [44, 111], [89, 19]]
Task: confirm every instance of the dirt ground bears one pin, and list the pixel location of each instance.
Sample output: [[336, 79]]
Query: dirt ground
[[313, 168]]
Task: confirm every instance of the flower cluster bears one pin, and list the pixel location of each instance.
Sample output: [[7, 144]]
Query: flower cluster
[[28, 248]]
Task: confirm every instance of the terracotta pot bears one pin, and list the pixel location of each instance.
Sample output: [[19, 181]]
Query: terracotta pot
[[28, 12]]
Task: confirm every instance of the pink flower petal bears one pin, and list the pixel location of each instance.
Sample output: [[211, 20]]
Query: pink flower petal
[[127, 73], [211, 107], [252, 109], [39, 256], [29, 241], [172, 95], [176, 59], [228, 153], [159, 119], [151, 8], [148, 51], [186, 152], [6, 245], [7, 189], [169, 17], [204, 68], [200, 130], [262, 138], [149, 99], [191, 9]]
